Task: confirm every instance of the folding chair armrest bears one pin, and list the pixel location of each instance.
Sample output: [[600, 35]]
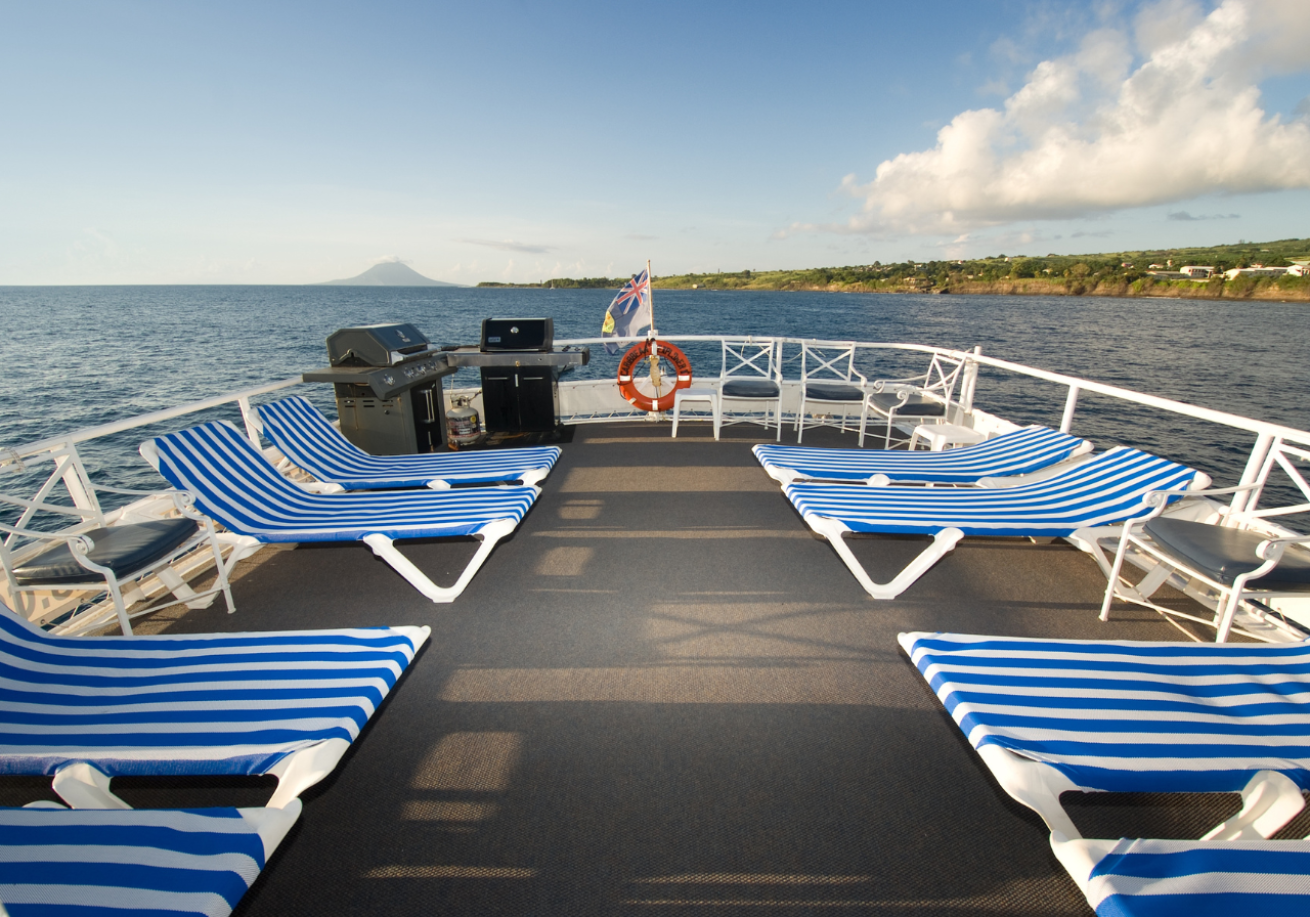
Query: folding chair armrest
[[49, 507], [132, 493], [69, 537], [1159, 498]]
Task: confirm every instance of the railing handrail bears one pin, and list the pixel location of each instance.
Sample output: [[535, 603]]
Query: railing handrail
[[141, 420], [1259, 427]]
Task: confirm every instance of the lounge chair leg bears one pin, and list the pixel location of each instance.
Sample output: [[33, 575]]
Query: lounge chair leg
[[383, 547], [85, 787], [272, 825], [942, 544], [300, 770], [1269, 801], [533, 477]]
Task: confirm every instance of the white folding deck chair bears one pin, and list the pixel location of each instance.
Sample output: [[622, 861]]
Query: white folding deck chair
[[919, 399], [234, 484], [1231, 560], [86, 709], [1109, 488], [750, 375], [75, 862], [1054, 716], [308, 441], [829, 379], [115, 557], [1020, 452]]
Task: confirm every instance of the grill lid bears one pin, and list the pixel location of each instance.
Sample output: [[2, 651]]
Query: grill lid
[[376, 345]]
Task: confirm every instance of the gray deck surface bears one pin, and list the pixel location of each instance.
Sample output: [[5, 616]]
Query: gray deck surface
[[663, 695]]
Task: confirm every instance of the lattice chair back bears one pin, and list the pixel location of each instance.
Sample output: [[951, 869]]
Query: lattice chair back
[[829, 378]]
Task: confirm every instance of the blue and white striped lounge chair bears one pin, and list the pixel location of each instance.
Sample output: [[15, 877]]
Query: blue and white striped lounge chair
[[309, 441], [87, 709], [1023, 451], [57, 862], [1053, 716], [1166, 878], [234, 484], [1109, 488]]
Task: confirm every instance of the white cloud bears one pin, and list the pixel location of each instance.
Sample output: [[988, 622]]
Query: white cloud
[[388, 259], [1089, 134]]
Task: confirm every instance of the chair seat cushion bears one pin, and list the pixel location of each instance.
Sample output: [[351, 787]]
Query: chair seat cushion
[[915, 405], [124, 549], [833, 391], [749, 388], [1226, 554]]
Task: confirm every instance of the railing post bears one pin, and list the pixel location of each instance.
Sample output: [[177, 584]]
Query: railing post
[[76, 482], [1070, 404], [1245, 500], [253, 426], [970, 382]]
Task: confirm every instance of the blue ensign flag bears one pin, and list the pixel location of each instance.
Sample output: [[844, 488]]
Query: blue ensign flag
[[629, 313]]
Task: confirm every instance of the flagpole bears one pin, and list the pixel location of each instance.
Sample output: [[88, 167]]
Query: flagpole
[[650, 285]]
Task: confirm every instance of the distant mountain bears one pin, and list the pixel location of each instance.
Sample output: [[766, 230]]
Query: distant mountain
[[388, 274]]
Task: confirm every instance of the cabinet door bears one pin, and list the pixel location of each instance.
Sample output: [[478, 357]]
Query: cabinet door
[[500, 400], [536, 400]]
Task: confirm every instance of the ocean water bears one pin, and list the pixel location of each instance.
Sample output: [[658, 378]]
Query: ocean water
[[78, 356]]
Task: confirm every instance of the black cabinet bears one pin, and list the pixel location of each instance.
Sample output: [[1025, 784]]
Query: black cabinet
[[520, 399]]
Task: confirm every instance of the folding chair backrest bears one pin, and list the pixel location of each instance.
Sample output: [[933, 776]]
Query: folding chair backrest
[[750, 359], [1283, 456], [828, 362], [942, 377]]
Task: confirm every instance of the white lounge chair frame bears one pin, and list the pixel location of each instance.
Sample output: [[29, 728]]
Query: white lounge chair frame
[[1134, 469], [281, 502], [833, 365], [1269, 799], [1225, 598]]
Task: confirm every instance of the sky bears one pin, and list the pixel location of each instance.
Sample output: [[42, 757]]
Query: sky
[[180, 142]]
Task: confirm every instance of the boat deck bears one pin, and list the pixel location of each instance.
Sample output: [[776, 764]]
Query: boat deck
[[663, 695]]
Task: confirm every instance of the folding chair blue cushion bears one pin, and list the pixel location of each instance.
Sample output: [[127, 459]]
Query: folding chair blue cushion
[[283, 703], [57, 862], [1109, 488], [1020, 452], [234, 484], [1166, 878], [309, 441]]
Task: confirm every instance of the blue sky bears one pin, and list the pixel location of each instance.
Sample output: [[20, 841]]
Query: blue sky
[[179, 142]]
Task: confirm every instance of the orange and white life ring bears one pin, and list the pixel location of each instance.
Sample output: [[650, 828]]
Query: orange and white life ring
[[630, 364]]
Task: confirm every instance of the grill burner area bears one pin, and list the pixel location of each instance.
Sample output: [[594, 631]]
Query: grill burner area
[[388, 386]]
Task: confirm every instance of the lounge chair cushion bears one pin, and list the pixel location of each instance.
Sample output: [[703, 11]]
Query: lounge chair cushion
[[830, 391], [1123, 716], [1161, 878], [98, 861], [1020, 452], [188, 704], [1227, 553], [915, 405], [124, 549], [749, 388], [306, 437]]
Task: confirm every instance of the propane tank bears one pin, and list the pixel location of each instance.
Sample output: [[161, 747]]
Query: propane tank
[[462, 425]]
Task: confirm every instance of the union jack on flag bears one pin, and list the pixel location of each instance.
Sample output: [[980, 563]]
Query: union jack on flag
[[629, 313]]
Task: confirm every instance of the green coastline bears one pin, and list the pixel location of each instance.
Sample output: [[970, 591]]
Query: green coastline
[[1123, 274]]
